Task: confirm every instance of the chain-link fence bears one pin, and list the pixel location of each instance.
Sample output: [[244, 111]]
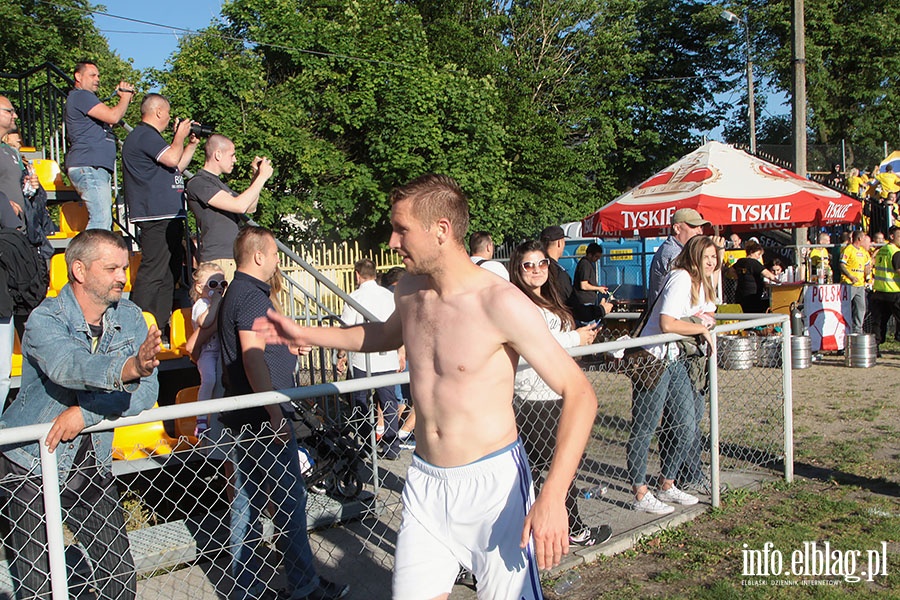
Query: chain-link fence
[[231, 519]]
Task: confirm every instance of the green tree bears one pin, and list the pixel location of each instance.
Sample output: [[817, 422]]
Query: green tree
[[345, 100], [852, 66], [597, 94], [61, 33]]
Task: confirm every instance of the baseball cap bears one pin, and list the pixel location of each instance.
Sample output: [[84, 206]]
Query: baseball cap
[[553, 233], [690, 217]]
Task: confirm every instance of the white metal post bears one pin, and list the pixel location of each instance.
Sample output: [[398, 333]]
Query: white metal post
[[56, 550], [714, 421], [787, 380]]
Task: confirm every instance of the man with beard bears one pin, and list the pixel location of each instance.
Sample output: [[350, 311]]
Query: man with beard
[[88, 356]]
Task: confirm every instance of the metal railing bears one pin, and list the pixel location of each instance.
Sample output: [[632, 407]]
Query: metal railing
[[747, 427], [39, 95]]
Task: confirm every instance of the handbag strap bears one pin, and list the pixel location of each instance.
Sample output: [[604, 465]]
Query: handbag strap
[[646, 316]]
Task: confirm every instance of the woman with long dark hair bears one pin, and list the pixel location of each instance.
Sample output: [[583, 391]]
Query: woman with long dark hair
[[687, 292], [537, 406]]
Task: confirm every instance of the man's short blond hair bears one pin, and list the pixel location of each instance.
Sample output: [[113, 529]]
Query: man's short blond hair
[[248, 242], [436, 197]]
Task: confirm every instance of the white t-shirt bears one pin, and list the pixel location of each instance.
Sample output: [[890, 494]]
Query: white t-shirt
[[529, 385], [495, 267], [200, 307], [674, 301], [380, 302]]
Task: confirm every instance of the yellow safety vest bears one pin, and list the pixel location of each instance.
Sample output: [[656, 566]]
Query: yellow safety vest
[[886, 278]]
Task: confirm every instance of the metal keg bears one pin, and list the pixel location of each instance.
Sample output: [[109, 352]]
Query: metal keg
[[801, 352], [860, 351], [736, 352], [768, 352]]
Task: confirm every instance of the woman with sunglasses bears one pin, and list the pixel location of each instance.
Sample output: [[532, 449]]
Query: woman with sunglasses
[[687, 292], [537, 406]]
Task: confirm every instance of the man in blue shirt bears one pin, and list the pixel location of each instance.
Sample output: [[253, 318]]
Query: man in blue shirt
[[265, 452], [88, 356], [91, 157], [154, 193]]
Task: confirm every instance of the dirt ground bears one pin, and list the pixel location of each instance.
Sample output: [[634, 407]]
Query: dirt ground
[[847, 452]]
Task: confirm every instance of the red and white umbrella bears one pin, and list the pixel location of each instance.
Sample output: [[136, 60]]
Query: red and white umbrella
[[729, 188]]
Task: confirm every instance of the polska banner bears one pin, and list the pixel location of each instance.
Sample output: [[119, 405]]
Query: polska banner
[[828, 313]]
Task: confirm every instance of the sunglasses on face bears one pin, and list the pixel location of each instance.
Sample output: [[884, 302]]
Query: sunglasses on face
[[531, 265], [214, 283]]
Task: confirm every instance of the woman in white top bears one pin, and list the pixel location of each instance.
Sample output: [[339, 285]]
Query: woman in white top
[[537, 405], [687, 292]]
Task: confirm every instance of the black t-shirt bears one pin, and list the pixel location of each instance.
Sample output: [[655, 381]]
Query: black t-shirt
[[246, 299], [749, 277], [585, 270], [153, 191], [563, 281], [218, 228]]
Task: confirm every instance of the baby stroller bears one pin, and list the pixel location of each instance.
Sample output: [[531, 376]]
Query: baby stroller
[[334, 456]]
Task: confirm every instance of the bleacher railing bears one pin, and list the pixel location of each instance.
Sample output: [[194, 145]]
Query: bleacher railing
[[39, 95], [176, 506]]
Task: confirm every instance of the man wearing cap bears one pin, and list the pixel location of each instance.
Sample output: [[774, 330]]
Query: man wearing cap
[[686, 223], [554, 240]]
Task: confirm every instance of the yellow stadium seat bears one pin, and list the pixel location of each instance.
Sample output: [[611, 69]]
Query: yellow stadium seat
[[142, 441], [134, 261], [185, 426], [180, 329], [59, 274], [16, 357], [165, 353], [73, 219], [49, 174]]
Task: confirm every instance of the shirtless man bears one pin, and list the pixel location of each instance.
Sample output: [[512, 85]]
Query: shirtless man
[[468, 498]]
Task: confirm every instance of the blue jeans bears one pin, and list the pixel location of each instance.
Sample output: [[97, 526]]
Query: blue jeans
[[387, 398], [857, 307], [95, 188], [674, 392], [266, 470]]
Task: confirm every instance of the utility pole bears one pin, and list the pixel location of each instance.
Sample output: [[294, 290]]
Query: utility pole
[[751, 102], [799, 104]]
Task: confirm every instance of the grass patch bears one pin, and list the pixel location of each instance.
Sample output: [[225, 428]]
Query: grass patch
[[704, 558]]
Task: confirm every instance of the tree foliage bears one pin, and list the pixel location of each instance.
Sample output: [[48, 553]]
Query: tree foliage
[[59, 32], [345, 100], [852, 68], [543, 110]]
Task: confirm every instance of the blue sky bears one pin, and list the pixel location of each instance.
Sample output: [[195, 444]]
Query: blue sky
[[150, 45]]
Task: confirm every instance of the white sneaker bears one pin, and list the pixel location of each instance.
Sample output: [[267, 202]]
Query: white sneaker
[[650, 504], [676, 496]]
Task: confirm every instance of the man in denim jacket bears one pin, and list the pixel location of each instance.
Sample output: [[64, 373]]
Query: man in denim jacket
[[88, 356]]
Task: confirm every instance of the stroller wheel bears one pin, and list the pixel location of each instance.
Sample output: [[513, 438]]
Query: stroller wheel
[[347, 484]]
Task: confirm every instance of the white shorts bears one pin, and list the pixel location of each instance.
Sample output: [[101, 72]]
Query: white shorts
[[472, 516]]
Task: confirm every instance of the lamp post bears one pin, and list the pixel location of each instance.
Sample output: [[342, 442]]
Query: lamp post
[[751, 108]]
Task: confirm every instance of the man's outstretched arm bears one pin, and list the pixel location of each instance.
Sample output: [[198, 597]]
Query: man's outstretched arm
[[368, 337]]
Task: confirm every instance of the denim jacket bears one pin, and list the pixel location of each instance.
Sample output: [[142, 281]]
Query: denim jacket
[[59, 370]]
